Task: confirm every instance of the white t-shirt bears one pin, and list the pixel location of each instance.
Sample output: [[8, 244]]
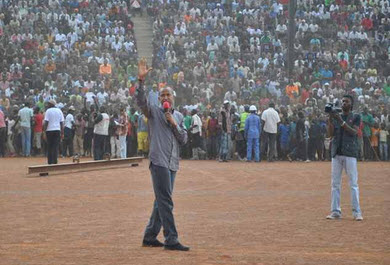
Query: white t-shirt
[[69, 120], [54, 116], [271, 119], [197, 121]]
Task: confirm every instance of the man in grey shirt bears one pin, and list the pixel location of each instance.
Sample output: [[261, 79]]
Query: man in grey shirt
[[166, 133]]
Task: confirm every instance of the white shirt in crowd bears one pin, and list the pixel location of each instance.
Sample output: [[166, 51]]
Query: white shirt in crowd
[[54, 117], [197, 122], [69, 120], [271, 119]]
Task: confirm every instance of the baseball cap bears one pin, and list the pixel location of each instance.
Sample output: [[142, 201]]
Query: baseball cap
[[226, 102]]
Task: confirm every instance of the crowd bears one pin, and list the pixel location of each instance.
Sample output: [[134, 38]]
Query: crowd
[[226, 61]]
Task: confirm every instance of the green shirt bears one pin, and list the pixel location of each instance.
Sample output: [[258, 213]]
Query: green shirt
[[40, 105], [187, 121], [387, 89], [368, 121]]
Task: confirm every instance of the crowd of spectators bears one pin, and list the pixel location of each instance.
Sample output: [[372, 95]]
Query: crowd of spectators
[[209, 52]]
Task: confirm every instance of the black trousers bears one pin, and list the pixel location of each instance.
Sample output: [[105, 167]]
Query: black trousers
[[271, 143], [367, 148], [53, 142], [3, 140], [67, 142], [99, 146], [88, 140]]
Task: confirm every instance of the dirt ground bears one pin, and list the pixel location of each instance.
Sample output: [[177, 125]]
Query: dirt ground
[[228, 213]]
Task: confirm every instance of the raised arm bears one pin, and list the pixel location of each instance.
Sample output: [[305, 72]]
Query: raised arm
[[143, 71]]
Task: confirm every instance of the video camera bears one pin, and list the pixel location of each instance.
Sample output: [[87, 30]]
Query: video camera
[[332, 108]]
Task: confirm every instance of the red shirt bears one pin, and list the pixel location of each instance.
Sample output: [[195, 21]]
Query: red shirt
[[38, 118], [132, 90]]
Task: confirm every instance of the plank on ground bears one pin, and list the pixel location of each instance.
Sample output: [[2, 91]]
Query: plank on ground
[[82, 165]]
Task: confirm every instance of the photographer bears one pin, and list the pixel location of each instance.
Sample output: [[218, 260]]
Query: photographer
[[343, 130]]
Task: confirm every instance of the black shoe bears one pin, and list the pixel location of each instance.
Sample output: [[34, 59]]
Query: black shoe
[[153, 243], [177, 246]]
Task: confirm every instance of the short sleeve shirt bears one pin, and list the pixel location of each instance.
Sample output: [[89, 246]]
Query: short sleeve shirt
[[69, 120], [25, 115], [271, 119], [54, 117]]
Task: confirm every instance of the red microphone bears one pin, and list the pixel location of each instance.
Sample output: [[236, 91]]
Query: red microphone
[[166, 106]]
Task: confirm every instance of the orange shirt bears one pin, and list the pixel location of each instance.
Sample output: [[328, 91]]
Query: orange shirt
[[187, 18], [105, 69], [290, 89], [374, 137], [49, 68]]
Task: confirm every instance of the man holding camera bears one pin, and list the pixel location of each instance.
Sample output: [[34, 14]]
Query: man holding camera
[[343, 130]]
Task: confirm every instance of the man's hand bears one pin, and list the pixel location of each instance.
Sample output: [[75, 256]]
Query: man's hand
[[143, 69], [170, 119], [336, 116]]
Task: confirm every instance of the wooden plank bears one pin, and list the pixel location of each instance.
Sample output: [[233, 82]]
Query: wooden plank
[[83, 165]]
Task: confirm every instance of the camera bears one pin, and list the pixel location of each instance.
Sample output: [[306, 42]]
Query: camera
[[332, 108]]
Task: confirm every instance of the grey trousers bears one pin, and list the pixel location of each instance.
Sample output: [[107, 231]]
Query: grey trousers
[[162, 214], [271, 142]]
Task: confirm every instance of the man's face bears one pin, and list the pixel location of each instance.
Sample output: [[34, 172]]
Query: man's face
[[346, 104], [166, 95]]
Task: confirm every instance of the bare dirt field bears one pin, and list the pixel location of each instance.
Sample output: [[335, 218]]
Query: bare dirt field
[[228, 213]]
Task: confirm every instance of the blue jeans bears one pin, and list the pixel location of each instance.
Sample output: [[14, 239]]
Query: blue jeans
[[123, 146], [162, 214], [383, 151], [26, 140], [350, 165], [253, 144]]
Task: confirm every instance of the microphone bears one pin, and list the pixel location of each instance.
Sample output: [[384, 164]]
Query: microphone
[[166, 106]]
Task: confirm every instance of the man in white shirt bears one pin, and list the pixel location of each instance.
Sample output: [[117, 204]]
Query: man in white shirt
[[196, 132], [68, 133], [25, 116], [270, 119], [102, 97], [100, 134], [54, 130]]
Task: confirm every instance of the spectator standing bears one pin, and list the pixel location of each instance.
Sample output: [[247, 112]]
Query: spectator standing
[[368, 121], [270, 118], [252, 134], [3, 133], [100, 134], [122, 131], [38, 128], [225, 123], [67, 142], [383, 145], [142, 135], [79, 132], [25, 117], [196, 134], [54, 130]]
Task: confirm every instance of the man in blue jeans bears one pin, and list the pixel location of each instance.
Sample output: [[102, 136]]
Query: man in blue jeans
[[252, 134], [166, 133], [343, 128], [25, 117]]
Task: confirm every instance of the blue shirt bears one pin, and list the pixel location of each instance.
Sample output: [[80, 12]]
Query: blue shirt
[[284, 134], [252, 126], [164, 138]]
